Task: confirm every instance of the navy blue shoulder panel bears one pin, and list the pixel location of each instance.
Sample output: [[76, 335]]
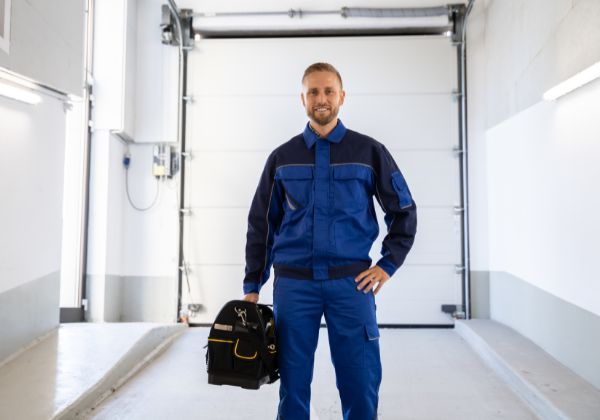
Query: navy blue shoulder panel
[[294, 151], [357, 148]]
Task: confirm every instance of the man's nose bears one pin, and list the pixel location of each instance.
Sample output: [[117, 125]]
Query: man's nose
[[322, 98]]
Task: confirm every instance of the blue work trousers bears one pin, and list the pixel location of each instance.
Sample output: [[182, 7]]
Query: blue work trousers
[[353, 341]]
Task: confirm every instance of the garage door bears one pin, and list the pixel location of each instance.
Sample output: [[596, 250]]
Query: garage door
[[246, 102]]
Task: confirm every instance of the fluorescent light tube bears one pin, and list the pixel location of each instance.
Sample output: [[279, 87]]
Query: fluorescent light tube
[[20, 94], [572, 83]]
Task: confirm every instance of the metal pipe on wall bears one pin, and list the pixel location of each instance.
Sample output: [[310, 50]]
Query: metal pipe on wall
[[88, 92], [343, 12], [303, 23], [181, 141], [460, 39], [181, 121]]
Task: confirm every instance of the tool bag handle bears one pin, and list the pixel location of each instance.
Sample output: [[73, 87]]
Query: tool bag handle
[[273, 371]]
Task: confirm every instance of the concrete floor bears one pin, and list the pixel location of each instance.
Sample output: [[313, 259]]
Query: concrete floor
[[73, 366], [428, 374]]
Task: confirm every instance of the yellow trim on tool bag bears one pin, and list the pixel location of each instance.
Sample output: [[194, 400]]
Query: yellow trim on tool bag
[[220, 341], [243, 357]]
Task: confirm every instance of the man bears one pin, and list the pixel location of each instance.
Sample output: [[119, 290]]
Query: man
[[313, 218]]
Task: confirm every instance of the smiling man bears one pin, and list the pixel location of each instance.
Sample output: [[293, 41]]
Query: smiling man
[[313, 219]]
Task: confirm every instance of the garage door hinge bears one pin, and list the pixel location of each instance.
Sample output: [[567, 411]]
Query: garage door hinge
[[187, 155], [458, 209], [188, 98], [457, 151], [458, 268], [185, 211], [456, 94]]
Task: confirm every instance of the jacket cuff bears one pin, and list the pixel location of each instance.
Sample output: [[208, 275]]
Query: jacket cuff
[[387, 266], [250, 287]]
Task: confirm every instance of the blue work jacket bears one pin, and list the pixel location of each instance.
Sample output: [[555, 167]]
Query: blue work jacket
[[312, 216]]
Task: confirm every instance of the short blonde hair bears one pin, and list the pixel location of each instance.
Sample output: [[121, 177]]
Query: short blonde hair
[[322, 67]]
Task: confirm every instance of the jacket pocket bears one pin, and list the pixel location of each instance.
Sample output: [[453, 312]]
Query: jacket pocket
[[291, 203], [352, 186], [401, 189], [297, 183]]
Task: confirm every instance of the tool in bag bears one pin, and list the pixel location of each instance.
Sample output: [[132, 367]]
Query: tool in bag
[[241, 349]]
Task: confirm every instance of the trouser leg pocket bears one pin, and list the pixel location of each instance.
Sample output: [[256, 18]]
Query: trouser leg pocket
[[372, 357]]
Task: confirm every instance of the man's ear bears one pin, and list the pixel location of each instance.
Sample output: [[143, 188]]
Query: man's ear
[[302, 100], [343, 96]]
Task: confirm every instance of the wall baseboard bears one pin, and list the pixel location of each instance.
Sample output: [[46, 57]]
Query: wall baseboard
[[113, 298], [566, 331], [28, 312]]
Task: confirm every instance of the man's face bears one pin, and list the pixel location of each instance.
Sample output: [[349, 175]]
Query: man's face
[[322, 96]]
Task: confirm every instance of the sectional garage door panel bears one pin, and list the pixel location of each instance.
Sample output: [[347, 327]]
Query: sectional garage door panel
[[235, 123], [427, 287], [437, 240], [213, 183], [405, 121], [433, 176], [411, 312], [371, 65], [224, 180], [219, 237], [247, 102], [213, 285], [398, 121]]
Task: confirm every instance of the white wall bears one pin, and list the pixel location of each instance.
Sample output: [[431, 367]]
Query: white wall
[[47, 46], [543, 196], [516, 51], [32, 161], [132, 255], [31, 186], [533, 172], [47, 42], [533, 45]]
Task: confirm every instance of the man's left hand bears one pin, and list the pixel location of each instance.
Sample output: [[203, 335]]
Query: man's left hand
[[371, 277]]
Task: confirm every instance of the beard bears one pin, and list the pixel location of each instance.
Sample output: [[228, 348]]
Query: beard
[[323, 118]]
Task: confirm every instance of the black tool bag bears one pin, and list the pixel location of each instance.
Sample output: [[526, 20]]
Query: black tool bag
[[241, 346]]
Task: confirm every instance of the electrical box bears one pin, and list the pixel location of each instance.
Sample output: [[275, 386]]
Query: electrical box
[[162, 161]]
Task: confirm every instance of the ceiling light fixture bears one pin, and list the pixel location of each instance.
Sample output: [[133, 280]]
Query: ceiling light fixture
[[19, 94], [582, 78]]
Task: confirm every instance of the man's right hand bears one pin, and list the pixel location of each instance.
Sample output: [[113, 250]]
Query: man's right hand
[[251, 297]]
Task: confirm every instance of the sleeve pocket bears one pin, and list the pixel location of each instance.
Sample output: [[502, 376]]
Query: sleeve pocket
[[401, 190]]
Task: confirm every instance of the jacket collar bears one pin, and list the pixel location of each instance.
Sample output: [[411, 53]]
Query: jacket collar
[[336, 135]]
